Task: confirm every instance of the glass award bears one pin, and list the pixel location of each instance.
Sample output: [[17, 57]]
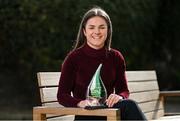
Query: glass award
[[96, 91]]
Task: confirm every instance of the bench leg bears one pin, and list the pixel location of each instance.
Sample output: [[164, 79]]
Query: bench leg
[[113, 118], [38, 116]]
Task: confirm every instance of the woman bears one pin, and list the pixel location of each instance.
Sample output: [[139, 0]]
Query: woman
[[92, 47]]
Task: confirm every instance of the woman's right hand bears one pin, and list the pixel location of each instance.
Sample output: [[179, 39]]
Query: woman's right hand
[[83, 103]]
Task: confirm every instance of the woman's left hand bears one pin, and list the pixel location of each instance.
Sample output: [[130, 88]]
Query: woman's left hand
[[113, 99]]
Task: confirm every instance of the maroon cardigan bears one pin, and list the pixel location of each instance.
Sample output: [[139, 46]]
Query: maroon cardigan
[[79, 67]]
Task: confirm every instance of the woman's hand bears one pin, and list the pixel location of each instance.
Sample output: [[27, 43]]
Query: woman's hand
[[113, 99], [83, 103]]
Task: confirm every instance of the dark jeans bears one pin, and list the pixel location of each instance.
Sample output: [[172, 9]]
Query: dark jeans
[[129, 111]]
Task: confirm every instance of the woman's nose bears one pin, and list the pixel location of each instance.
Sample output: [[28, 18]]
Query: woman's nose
[[97, 30]]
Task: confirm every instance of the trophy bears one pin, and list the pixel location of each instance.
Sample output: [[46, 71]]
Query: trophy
[[96, 91]]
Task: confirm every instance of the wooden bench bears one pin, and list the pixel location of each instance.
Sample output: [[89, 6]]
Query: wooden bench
[[143, 88]]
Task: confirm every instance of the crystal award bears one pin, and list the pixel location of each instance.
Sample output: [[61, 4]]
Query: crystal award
[[96, 91]]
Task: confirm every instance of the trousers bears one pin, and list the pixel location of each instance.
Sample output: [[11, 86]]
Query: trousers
[[128, 108]]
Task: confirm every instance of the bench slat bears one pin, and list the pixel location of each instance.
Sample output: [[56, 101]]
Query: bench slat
[[145, 96], [171, 118], [140, 75], [48, 78], [151, 106], [49, 94], [142, 86], [52, 104]]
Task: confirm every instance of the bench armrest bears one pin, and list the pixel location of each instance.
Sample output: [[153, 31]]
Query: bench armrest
[[164, 94], [169, 93]]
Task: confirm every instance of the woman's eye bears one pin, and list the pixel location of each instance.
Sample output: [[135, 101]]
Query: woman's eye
[[102, 27], [91, 28]]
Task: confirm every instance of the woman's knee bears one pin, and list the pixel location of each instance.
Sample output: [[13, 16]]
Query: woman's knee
[[130, 102], [126, 102]]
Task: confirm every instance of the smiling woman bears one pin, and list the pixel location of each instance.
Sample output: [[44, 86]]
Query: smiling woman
[[92, 48]]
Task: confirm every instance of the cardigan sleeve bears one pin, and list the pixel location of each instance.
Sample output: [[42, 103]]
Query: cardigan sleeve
[[66, 83], [121, 87]]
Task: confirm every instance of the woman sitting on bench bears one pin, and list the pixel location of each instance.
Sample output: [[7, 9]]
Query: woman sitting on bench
[[92, 48]]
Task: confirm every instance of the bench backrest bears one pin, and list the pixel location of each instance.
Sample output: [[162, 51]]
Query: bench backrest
[[143, 88]]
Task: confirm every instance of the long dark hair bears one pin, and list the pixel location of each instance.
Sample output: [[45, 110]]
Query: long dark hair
[[95, 11]]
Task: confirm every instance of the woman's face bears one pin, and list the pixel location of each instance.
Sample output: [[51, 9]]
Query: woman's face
[[96, 32]]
